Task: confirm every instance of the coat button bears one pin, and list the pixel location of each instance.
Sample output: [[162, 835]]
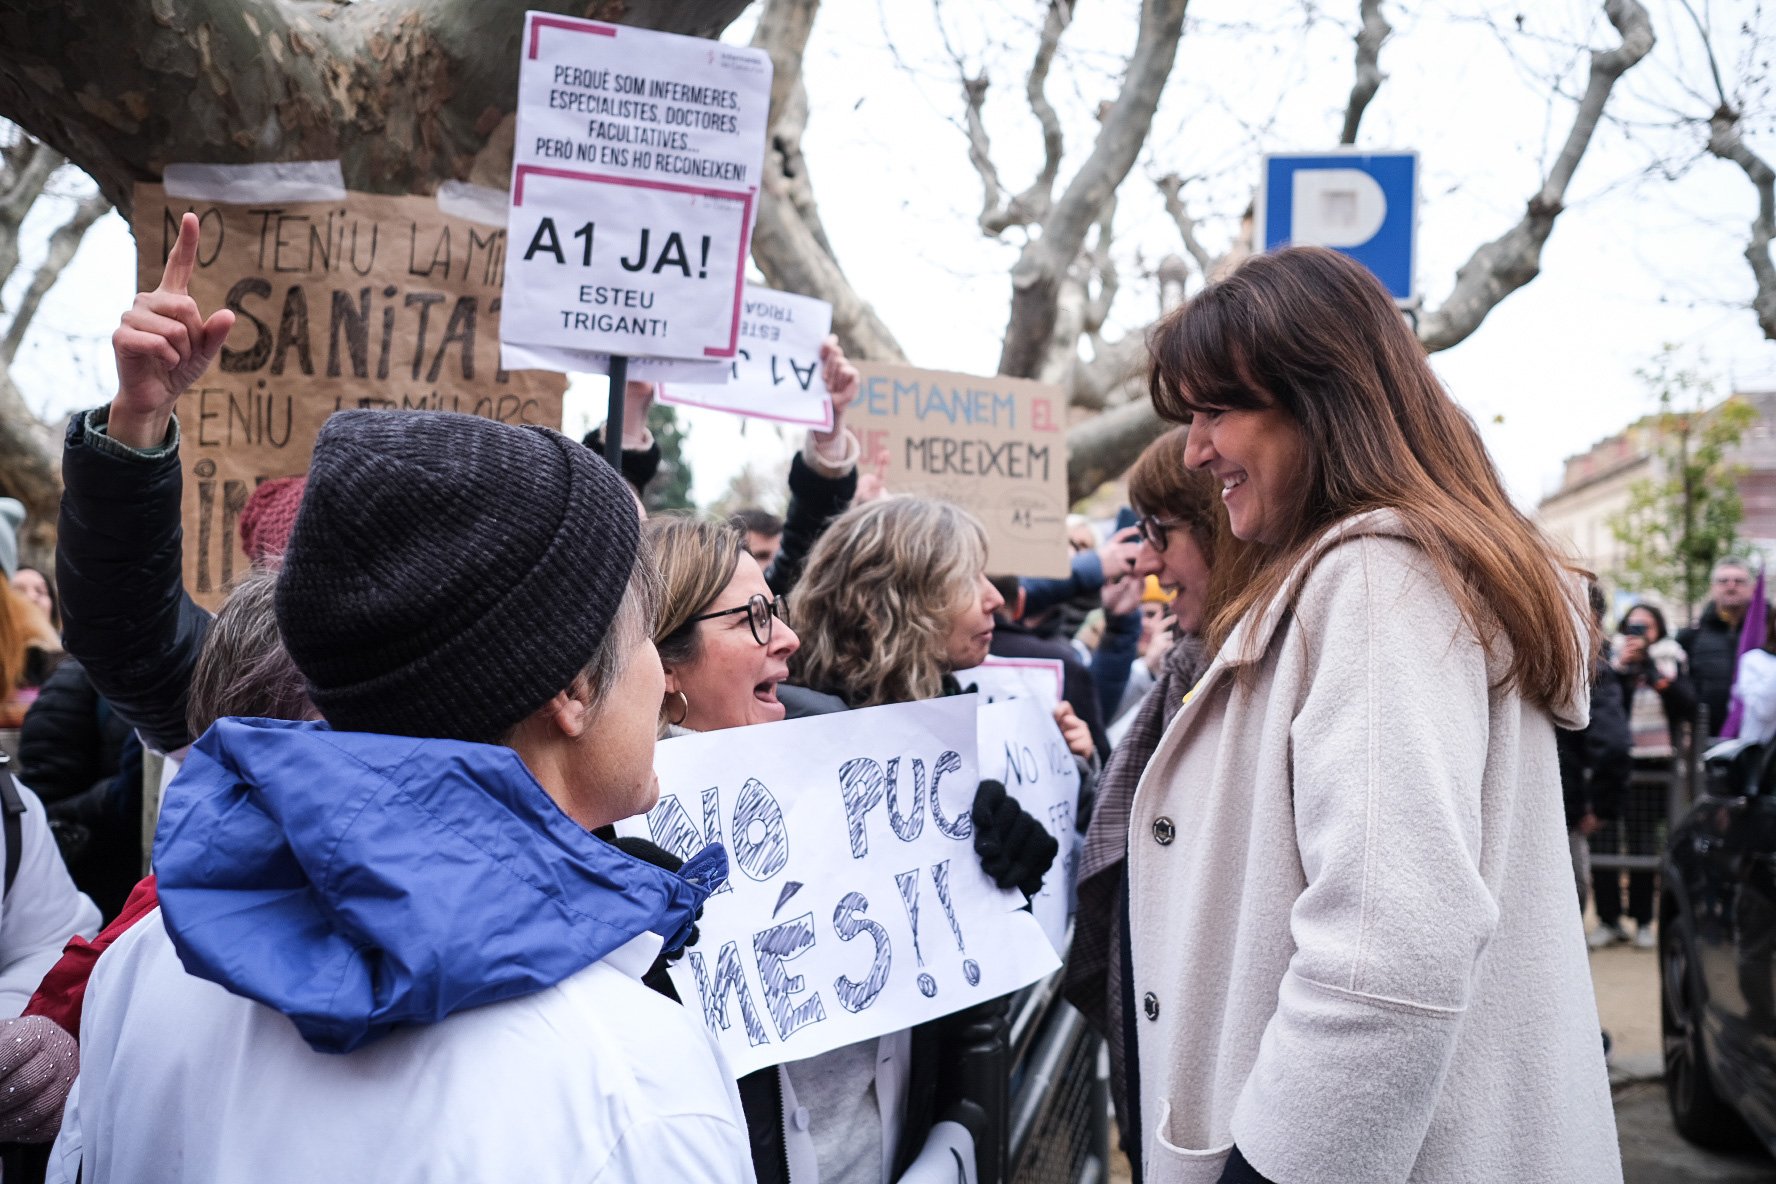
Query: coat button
[[1150, 1004], [1163, 831], [801, 1118]]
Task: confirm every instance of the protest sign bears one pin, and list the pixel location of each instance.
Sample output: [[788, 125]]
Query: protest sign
[[995, 445], [777, 374], [635, 174], [855, 905], [367, 301], [1044, 679], [1021, 747]]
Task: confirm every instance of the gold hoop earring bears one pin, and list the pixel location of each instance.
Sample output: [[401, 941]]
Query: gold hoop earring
[[683, 714]]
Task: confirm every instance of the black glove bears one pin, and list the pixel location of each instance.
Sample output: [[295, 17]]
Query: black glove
[[1015, 850], [657, 855]]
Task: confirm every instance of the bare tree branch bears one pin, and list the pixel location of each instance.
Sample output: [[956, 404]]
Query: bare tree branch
[[62, 246], [1043, 265], [1373, 32], [1171, 187], [1101, 447], [29, 164], [789, 244], [998, 212], [1726, 142], [1500, 267]]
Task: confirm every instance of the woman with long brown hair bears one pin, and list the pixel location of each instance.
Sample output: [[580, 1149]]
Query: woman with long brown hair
[[1355, 953]]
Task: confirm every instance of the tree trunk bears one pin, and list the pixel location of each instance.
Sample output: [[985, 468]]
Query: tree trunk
[[404, 93]]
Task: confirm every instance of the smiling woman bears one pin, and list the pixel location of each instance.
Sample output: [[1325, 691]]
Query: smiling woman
[[1358, 804]]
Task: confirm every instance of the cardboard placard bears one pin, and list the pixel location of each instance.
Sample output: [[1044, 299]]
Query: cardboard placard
[[855, 904], [995, 445], [635, 177], [375, 301]]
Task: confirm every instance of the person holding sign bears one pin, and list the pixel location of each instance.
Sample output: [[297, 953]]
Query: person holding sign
[[1355, 952], [397, 925], [866, 1108]]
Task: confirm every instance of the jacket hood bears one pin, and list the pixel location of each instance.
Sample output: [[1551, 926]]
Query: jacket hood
[[359, 882]]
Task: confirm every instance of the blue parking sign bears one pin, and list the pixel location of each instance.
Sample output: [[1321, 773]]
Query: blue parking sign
[[1361, 204]]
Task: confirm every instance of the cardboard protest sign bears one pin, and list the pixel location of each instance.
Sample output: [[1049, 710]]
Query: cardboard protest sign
[[1044, 679], [1021, 747], [856, 905], [634, 179], [777, 375], [996, 445], [374, 301]]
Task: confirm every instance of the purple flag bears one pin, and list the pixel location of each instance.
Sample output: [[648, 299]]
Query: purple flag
[[1751, 637]]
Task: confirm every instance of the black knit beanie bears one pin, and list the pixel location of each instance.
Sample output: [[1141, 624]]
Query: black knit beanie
[[447, 574]]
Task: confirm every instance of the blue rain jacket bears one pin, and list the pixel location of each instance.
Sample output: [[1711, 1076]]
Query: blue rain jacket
[[358, 882]]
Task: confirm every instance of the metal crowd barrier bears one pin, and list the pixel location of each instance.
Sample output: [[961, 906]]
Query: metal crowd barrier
[[1060, 1093]]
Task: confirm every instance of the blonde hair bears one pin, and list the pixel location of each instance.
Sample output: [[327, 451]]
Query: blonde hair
[[876, 603]]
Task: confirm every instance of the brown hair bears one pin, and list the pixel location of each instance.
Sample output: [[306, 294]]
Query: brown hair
[[242, 667], [881, 589], [696, 557], [1161, 484], [1314, 334]]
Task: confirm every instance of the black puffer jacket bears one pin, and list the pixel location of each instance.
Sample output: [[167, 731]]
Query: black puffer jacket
[[1713, 648], [118, 565], [80, 757]]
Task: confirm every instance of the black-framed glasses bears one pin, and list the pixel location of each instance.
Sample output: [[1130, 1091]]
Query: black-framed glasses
[[1156, 532], [760, 612]]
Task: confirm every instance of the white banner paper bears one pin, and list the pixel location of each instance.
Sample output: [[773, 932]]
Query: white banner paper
[[856, 905], [1021, 746], [1011, 678], [777, 375], [635, 175]]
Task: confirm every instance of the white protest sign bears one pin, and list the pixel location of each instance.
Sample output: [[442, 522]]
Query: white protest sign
[[1011, 678], [777, 375], [855, 905], [1021, 747], [635, 174]]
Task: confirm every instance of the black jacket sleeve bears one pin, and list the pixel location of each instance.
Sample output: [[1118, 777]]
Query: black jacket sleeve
[[814, 501], [1575, 794], [118, 565], [640, 465]]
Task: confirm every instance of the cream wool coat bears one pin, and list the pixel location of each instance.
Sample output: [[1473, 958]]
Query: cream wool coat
[[1357, 949]]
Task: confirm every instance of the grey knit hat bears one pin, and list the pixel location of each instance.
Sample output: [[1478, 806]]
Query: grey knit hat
[[447, 574]]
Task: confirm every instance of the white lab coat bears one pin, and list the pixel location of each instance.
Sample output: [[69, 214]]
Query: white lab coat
[[597, 1080], [41, 912]]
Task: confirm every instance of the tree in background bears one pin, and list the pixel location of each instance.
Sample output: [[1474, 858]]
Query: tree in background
[[671, 487], [34, 180], [407, 94], [1684, 518]]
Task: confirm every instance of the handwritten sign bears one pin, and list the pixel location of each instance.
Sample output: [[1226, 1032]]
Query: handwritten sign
[[635, 176], [777, 375], [1021, 746], [996, 445], [856, 905], [377, 301], [1044, 679]]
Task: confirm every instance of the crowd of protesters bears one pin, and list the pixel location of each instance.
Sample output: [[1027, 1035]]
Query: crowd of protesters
[[1313, 680]]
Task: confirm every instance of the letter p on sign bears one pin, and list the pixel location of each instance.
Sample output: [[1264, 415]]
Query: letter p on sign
[[1360, 204]]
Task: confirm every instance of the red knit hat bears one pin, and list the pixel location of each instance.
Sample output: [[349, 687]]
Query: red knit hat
[[268, 518]]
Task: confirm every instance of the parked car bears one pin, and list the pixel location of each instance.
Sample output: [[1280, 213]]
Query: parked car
[[1717, 954]]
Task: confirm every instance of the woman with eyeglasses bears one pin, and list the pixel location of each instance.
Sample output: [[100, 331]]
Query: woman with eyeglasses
[[911, 575], [1181, 522]]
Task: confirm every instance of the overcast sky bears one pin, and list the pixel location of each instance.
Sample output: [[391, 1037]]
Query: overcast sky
[[1636, 261]]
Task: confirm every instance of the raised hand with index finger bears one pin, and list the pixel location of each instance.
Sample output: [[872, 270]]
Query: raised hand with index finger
[[163, 345]]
